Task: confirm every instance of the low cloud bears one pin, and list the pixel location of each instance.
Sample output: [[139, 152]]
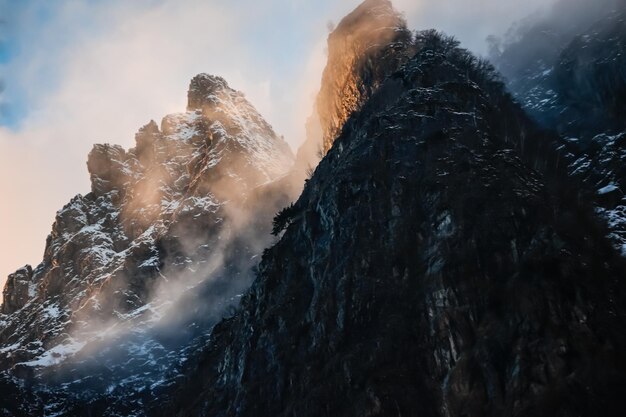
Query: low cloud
[[471, 21]]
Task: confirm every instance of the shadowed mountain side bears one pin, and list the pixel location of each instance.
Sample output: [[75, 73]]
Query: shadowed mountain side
[[427, 269]]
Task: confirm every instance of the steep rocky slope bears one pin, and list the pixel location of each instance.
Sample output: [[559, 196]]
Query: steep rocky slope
[[438, 263], [366, 47], [528, 54], [137, 271], [568, 70]]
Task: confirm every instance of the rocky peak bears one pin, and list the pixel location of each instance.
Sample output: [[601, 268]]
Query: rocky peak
[[427, 269], [366, 47], [369, 15], [202, 90], [105, 164], [145, 139]]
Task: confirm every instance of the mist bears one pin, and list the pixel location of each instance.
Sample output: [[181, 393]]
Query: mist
[[165, 243], [542, 36], [79, 72]]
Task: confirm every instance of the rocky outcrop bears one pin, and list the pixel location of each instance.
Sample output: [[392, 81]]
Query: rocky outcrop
[[18, 290], [438, 263], [203, 91], [366, 47], [530, 53], [106, 168], [590, 78]]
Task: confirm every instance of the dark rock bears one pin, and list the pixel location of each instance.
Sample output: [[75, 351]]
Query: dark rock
[[427, 269], [590, 78], [18, 290], [106, 167]]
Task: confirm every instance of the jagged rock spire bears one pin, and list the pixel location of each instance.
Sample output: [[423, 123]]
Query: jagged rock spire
[[202, 87], [355, 62]]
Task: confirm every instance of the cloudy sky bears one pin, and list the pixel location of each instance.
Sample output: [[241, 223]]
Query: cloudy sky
[[78, 72]]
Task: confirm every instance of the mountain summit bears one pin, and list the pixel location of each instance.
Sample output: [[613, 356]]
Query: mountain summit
[[131, 260]]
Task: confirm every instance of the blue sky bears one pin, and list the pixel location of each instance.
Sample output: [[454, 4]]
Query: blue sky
[[79, 72]]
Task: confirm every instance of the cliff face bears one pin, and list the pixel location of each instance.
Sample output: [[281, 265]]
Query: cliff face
[[438, 263], [367, 46], [139, 269], [18, 290]]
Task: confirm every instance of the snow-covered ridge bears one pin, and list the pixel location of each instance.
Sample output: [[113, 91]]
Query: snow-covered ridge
[[158, 223]]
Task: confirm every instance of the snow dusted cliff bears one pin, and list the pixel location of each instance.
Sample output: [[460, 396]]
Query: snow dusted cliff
[[159, 229]]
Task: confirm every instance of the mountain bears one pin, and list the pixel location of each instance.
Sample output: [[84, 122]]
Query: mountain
[[440, 262], [138, 270], [527, 55], [442, 259], [568, 70], [368, 45]]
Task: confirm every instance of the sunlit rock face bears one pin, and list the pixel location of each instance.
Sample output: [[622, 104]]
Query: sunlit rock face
[[440, 262], [116, 300], [366, 46], [571, 77]]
